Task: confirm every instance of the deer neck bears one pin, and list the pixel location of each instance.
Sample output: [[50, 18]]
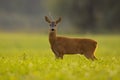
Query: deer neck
[[52, 37]]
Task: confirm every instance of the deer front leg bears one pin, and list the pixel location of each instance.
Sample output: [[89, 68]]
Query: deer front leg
[[57, 55], [61, 56]]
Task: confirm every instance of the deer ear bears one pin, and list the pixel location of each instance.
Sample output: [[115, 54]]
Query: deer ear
[[47, 20], [58, 20]]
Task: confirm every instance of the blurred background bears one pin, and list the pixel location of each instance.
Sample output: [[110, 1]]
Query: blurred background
[[78, 16]]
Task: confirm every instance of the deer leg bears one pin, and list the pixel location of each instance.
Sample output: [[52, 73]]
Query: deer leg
[[61, 56], [56, 53], [57, 57], [92, 54], [89, 55], [94, 57]]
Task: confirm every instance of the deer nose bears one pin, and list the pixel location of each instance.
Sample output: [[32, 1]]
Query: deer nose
[[52, 29]]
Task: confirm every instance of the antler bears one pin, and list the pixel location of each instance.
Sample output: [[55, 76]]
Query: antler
[[47, 19], [57, 21]]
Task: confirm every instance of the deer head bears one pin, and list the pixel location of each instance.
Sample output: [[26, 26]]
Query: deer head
[[52, 23]]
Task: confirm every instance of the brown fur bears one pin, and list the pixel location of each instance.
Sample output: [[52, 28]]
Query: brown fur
[[64, 45]]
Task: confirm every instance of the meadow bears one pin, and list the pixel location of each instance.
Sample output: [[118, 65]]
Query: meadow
[[29, 57]]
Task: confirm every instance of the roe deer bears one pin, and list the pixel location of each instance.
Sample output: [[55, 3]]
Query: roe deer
[[63, 45]]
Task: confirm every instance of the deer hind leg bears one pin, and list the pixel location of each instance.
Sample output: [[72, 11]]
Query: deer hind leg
[[90, 55], [94, 57]]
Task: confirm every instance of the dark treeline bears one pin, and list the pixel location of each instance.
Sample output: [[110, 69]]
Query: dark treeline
[[92, 15], [21, 6], [95, 16], [20, 15]]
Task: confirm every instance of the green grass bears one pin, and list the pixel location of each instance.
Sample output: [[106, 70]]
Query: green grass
[[28, 57]]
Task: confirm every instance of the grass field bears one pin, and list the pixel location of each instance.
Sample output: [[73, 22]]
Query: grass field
[[28, 57]]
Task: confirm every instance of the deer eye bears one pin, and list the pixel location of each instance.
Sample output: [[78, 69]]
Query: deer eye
[[55, 25]]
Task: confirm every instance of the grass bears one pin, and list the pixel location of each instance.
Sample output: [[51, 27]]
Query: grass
[[28, 57]]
